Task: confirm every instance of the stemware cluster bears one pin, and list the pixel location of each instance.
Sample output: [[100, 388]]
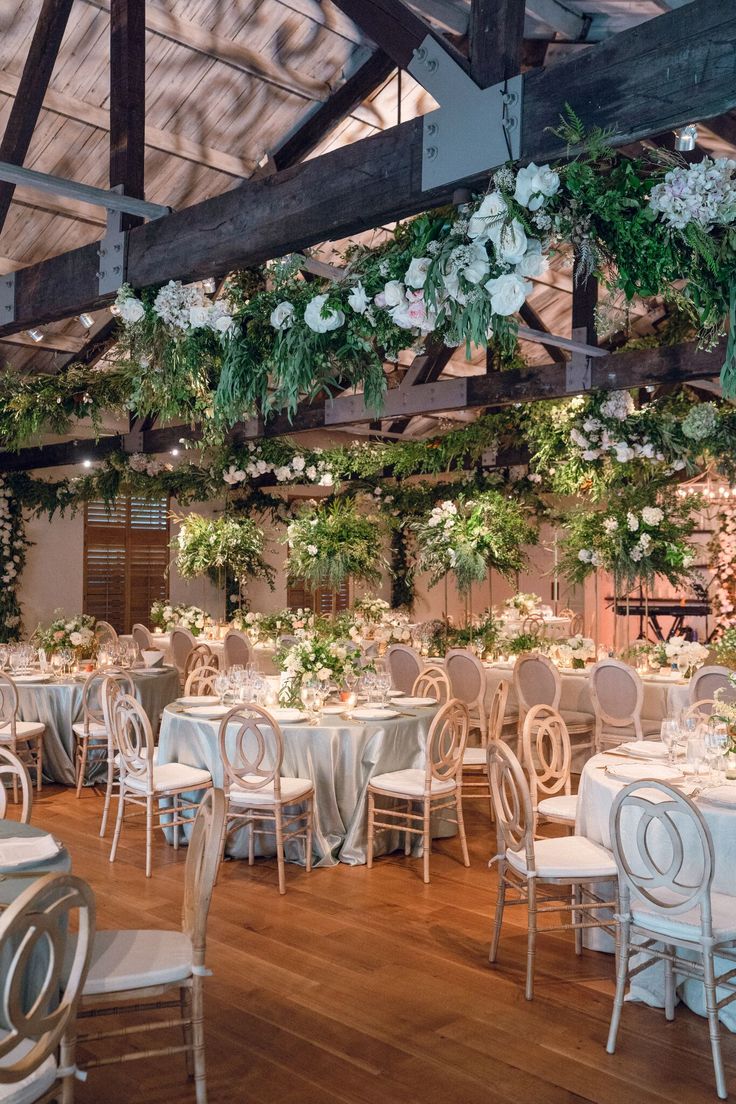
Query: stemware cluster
[[703, 740]]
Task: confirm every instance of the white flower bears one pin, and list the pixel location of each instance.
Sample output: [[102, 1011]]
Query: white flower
[[359, 299], [534, 262], [652, 515], [477, 267], [75, 639], [131, 309], [298, 463], [416, 273], [618, 406], [507, 293], [312, 549], [324, 674], [632, 521], [282, 316], [511, 245], [585, 555], [623, 452], [534, 184], [488, 220], [199, 317], [392, 294], [610, 525], [311, 472], [318, 322], [233, 475], [222, 322]]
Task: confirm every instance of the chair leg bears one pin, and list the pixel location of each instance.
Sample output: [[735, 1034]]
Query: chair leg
[[82, 750], [577, 917], [500, 903], [426, 841], [308, 840], [39, 763], [622, 971], [185, 1004], [67, 1052], [108, 794], [531, 937], [251, 842], [149, 834], [371, 817], [118, 823], [280, 850], [669, 985], [714, 1026], [200, 1081], [407, 833], [175, 817], [461, 828]]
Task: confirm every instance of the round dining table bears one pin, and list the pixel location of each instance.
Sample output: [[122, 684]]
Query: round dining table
[[262, 653], [58, 705], [597, 791], [339, 755]]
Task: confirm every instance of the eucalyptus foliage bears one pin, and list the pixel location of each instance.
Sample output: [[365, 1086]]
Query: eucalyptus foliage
[[334, 542], [208, 546]]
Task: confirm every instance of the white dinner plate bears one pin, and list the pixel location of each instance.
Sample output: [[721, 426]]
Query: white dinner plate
[[207, 712], [201, 699], [415, 701], [396, 693], [334, 708], [721, 795], [638, 772], [373, 713], [644, 749], [37, 676], [288, 716]]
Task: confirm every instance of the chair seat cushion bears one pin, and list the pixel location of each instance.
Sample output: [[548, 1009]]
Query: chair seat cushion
[[566, 857], [35, 1084], [574, 718], [686, 925], [410, 782], [292, 789], [474, 757], [172, 776], [123, 960], [24, 730], [560, 807], [97, 730]]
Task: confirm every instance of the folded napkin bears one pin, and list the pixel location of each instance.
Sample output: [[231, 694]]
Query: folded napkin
[[720, 795], [21, 850]]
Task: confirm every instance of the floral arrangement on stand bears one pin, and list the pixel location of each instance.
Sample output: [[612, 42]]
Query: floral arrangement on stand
[[13, 545], [320, 658], [522, 605], [371, 609], [574, 652], [468, 537], [77, 633], [209, 546], [515, 644], [334, 542], [725, 648], [287, 622]]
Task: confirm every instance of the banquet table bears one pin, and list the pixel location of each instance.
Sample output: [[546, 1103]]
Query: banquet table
[[262, 653], [554, 628], [59, 704], [11, 887], [339, 756], [597, 792]]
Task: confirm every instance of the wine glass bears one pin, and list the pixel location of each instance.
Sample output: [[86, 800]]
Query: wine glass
[[669, 734], [695, 753], [221, 685], [716, 742], [56, 664], [308, 694], [16, 660]]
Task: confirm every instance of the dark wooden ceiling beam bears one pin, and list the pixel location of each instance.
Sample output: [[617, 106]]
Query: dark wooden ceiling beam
[[128, 99], [640, 82], [42, 54], [496, 34], [396, 29], [530, 317]]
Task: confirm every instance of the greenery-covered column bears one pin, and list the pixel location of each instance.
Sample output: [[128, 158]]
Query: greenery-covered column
[[13, 546]]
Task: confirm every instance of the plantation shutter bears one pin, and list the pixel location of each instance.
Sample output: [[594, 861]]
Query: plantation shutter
[[126, 553], [299, 596]]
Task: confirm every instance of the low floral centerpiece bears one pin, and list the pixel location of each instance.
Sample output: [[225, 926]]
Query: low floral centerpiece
[[77, 633], [371, 609], [679, 649], [522, 605], [575, 651], [315, 658], [166, 616]]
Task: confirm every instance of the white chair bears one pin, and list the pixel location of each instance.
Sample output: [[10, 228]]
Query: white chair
[[142, 638], [252, 751], [131, 971], [237, 649], [182, 642], [143, 783], [708, 681], [664, 853], [547, 757], [436, 787], [541, 873], [432, 683], [537, 682], [12, 767], [114, 683], [617, 693], [39, 1005], [467, 677], [23, 738], [405, 665], [475, 759], [105, 633], [91, 736], [201, 680]]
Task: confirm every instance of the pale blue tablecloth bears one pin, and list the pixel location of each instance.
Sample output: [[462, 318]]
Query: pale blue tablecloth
[[59, 704], [340, 757]]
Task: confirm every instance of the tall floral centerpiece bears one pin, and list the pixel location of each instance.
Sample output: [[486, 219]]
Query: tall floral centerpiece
[[331, 543], [211, 546], [77, 633]]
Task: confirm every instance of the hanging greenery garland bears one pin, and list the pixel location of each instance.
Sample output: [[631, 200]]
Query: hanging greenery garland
[[209, 546]]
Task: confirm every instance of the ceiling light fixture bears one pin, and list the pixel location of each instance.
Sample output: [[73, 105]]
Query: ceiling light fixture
[[86, 463], [174, 452], [685, 138], [87, 321], [35, 335]]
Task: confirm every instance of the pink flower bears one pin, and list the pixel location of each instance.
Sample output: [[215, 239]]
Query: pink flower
[[59, 635]]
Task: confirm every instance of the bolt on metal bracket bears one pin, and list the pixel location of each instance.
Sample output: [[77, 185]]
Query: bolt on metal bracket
[[474, 130], [7, 298], [113, 255], [578, 373]]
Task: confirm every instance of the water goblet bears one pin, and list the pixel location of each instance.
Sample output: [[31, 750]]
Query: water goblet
[[669, 734], [695, 752], [683, 665], [221, 685]]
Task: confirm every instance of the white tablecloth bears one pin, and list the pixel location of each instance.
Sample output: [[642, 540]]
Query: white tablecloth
[[555, 628], [339, 756], [596, 796], [262, 653]]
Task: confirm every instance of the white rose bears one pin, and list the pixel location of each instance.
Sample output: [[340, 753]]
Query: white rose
[[511, 245], [478, 267], [546, 181], [416, 273], [452, 286], [233, 475], [358, 299], [324, 674], [318, 322], [223, 323], [652, 515], [393, 294], [199, 317], [585, 555], [298, 463], [282, 316], [131, 309], [533, 184], [507, 293], [487, 221], [312, 549], [75, 638], [534, 262]]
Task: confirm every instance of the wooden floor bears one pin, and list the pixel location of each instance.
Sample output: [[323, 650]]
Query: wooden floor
[[367, 987]]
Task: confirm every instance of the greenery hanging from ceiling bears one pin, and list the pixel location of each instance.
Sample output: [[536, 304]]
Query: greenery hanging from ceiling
[[333, 542]]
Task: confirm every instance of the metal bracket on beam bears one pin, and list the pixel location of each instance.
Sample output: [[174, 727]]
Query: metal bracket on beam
[[578, 373], [252, 429], [7, 298], [475, 129], [133, 441], [422, 398], [113, 255]]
